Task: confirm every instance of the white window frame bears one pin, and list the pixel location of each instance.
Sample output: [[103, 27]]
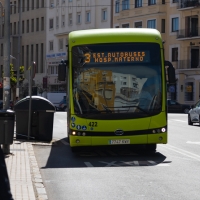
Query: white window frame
[[78, 18], [152, 21], [177, 26], [50, 22], [104, 14], [51, 45], [61, 44], [57, 22], [88, 17], [117, 6], [70, 19], [170, 30], [63, 21]]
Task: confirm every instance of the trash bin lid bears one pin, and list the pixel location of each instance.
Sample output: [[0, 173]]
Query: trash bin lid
[[7, 112], [37, 104]]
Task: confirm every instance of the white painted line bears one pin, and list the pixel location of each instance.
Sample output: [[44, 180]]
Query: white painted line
[[136, 163], [158, 164], [181, 151], [189, 142], [88, 164], [64, 142]]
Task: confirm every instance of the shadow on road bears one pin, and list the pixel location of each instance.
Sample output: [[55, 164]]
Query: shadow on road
[[60, 156]]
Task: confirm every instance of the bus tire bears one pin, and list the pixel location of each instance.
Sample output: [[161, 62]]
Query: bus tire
[[151, 148]]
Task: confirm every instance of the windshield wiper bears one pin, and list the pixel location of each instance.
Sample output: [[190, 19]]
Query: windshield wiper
[[106, 109], [135, 107]]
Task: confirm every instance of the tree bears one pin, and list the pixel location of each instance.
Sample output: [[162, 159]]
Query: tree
[[13, 78]]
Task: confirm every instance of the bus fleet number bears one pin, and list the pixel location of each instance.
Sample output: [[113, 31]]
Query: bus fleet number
[[93, 124]]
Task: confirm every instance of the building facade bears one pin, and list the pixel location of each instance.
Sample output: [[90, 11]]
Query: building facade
[[64, 16], [179, 25], [32, 34]]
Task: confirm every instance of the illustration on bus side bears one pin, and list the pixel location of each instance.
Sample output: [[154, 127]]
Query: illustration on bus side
[[121, 78]]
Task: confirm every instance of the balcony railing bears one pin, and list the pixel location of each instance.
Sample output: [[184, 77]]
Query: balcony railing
[[186, 4], [184, 33], [187, 64]]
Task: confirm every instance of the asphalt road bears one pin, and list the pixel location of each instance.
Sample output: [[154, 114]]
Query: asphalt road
[[173, 172]]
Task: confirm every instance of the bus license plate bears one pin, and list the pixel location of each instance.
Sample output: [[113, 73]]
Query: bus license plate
[[122, 141]]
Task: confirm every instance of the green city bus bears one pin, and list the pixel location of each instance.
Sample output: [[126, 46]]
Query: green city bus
[[116, 87]]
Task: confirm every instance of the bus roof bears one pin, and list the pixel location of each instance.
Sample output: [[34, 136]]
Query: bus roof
[[113, 35]]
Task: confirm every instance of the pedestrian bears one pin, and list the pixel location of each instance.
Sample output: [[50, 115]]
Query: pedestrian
[[5, 192], [16, 99]]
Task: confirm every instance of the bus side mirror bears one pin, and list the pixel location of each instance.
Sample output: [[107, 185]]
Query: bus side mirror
[[170, 72], [62, 69]]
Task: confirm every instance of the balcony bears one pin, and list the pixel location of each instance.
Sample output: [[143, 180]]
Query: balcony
[[187, 64], [187, 4], [188, 33]]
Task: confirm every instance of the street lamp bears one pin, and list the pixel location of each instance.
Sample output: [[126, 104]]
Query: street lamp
[[12, 57], [19, 46]]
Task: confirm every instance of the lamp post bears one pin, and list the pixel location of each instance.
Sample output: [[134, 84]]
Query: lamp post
[[6, 58], [19, 47]]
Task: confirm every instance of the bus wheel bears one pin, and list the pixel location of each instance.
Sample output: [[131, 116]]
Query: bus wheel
[[151, 148]]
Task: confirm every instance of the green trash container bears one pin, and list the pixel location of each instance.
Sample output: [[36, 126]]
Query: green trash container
[[7, 123]]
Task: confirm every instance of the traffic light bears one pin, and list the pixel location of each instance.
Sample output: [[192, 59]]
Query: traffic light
[[62, 70], [1, 85], [170, 72], [44, 82]]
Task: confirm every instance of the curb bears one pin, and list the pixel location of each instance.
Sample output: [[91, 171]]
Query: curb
[[38, 185]]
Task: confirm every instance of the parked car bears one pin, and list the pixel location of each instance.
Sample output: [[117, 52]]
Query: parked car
[[175, 107], [194, 114], [62, 105]]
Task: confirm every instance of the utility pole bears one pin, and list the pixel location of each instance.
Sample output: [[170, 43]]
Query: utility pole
[[6, 77], [19, 47]]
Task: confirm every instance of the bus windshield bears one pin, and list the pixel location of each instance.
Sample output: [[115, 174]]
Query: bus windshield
[[116, 80]]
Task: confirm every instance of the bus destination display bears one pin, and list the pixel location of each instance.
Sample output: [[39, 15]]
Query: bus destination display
[[116, 57]]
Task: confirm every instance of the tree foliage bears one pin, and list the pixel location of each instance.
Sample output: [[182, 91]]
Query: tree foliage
[[13, 76]]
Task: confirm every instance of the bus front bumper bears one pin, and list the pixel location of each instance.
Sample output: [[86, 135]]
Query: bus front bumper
[[159, 138]]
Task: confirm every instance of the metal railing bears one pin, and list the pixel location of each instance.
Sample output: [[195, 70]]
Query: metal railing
[[189, 32], [187, 64], [186, 4]]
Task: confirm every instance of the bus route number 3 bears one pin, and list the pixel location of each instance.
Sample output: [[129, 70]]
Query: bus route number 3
[[93, 124]]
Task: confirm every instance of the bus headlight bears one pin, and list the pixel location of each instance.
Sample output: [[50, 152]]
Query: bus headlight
[[163, 130]]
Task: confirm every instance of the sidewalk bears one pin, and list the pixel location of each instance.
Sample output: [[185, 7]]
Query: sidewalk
[[23, 171]]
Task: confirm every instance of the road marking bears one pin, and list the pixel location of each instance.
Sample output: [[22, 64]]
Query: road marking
[[110, 164], [189, 142], [158, 165], [88, 164], [181, 151], [129, 163]]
